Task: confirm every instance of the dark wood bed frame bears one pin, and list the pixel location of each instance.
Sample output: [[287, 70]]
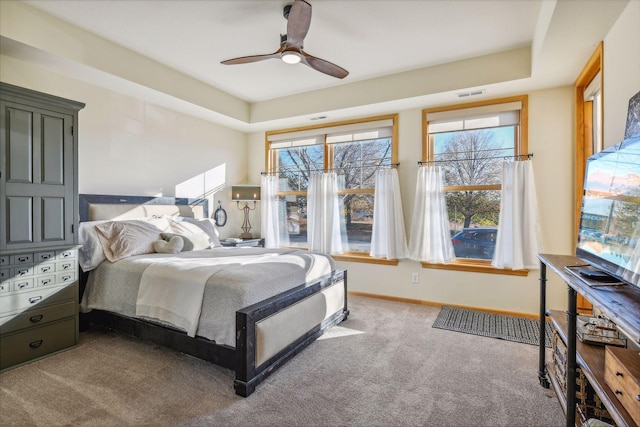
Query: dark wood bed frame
[[242, 358]]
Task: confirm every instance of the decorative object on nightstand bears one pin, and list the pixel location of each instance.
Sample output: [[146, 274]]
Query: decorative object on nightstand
[[220, 215], [245, 193], [242, 243]]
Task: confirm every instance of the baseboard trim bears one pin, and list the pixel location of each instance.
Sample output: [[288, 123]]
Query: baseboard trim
[[439, 304]]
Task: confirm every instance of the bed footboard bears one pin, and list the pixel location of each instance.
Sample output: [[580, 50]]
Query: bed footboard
[[273, 331]]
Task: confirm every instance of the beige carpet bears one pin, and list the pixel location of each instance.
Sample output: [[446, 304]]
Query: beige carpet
[[384, 366]]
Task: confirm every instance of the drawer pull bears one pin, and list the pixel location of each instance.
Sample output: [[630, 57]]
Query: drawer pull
[[46, 282], [35, 344], [23, 259], [66, 278], [65, 255], [22, 285], [43, 257], [36, 319], [619, 392], [34, 300], [44, 269], [619, 374], [22, 272]]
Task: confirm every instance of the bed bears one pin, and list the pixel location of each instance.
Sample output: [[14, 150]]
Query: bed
[[247, 309]]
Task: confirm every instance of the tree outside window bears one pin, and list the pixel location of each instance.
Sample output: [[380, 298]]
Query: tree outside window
[[355, 154], [470, 143]]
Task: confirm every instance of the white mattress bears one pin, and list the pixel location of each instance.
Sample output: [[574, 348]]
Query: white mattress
[[114, 286]]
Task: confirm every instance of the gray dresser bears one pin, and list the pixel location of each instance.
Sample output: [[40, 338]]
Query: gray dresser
[[38, 222]]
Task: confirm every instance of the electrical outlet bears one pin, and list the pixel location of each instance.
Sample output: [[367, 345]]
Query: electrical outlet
[[415, 278]]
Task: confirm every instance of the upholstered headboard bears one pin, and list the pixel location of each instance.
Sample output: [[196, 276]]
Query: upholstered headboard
[[95, 207]]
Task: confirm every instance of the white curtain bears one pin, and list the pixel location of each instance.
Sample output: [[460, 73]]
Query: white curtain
[[271, 229], [519, 237], [430, 239], [388, 239], [323, 214]]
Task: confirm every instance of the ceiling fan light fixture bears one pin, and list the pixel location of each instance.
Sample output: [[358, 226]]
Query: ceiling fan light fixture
[[298, 17], [291, 57]]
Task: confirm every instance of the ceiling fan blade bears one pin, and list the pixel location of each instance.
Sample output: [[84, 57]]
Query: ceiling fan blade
[[252, 58], [298, 22], [323, 66]]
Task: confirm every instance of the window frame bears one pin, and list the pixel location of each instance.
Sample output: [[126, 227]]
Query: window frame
[[584, 130], [521, 147], [325, 128]]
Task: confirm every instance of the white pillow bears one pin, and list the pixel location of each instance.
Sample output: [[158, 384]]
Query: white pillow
[[91, 253], [198, 227], [209, 227], [122, 239]]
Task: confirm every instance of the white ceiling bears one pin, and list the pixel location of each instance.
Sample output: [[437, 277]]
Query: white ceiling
[[371, 39]]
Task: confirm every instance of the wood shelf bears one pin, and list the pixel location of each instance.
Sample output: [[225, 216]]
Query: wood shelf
[[621, 304], [591, 359]]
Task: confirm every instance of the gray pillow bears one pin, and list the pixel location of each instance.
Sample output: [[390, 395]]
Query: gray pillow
[[192, 242], [173, 246]]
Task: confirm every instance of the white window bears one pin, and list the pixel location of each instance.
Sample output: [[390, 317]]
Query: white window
[[354, 150], [470, 142], [593, 97]]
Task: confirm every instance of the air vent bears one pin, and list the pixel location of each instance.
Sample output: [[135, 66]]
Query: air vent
[[471, 93]]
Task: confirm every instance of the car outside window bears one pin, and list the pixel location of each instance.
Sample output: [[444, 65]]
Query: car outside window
[[355, 151], [470, 142]]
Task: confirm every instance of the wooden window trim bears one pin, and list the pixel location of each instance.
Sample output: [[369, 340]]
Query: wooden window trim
[[521, 146], [583, 144], [475, 266], [271, 165], [583, 129]]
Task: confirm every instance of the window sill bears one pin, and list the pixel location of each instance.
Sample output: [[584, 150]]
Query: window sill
[[353, 257], [475, 266]]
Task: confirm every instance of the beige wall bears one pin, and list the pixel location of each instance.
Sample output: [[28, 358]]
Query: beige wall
[[551, 141], [132, 147], [621, 71]]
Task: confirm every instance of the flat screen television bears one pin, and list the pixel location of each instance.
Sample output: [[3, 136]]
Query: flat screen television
[[609, 234]]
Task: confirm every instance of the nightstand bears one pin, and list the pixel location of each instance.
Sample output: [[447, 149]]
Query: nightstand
[[243, 243]]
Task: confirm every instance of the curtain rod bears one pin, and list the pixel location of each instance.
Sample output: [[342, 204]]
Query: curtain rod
[[390, 165], [518, 156]]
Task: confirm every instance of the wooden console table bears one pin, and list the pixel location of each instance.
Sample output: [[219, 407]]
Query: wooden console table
[[621, 304]]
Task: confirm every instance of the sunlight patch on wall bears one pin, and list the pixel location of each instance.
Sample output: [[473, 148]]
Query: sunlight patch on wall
[[204, 185]]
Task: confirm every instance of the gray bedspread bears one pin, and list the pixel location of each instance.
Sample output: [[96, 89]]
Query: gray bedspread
[[114, 286]]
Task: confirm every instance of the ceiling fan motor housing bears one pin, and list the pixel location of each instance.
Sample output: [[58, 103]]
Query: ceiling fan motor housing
[[283, 41], [286, 10], [290, 50]]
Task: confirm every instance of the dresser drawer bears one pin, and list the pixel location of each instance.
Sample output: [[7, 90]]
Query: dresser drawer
[[66, 265], [23, 283], [49, 280], [45, 268], [44, 256], [16, 302], [67, 254], [622, 375], [23, 271], [21, 259], [36, 342], [37, 317]]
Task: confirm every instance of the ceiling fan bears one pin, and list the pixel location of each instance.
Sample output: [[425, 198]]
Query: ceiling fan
[[298, 16]]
